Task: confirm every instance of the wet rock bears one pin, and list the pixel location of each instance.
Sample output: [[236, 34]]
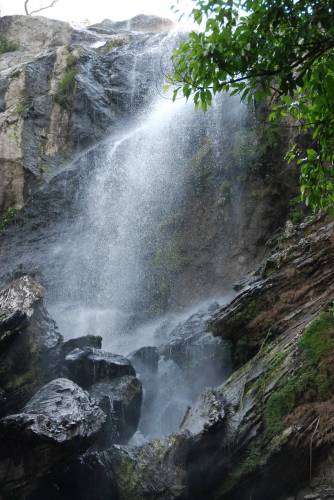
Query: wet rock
[[138, 23], [10, 324], [88, 366], [194, 349], [292, 284], [29, 343], [207, 411], [145, 359], [121, 400], [80, 343], [90, 477], [59, 422]]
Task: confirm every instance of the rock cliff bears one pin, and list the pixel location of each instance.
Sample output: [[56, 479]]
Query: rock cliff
[[232, 399]]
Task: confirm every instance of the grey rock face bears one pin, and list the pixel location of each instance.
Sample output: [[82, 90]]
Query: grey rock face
[[137, 23], [80, 343], [29, 343], [45, 121], [55, 425], [88, 366], [194, 349], [145, 359]]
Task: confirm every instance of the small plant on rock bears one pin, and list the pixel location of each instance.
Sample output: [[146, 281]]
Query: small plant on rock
[[7, 46], [7, 218]]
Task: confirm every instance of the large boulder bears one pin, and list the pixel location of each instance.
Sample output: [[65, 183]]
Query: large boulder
[[121, 400], [195, 350], [145, 359], [88, 366], [29, 343], [81, 343], [57, 424]]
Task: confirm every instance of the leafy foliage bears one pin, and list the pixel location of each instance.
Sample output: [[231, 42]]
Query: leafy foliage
[[282, 50]]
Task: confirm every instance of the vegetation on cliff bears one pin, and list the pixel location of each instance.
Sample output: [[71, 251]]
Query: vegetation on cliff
[[282, 51], [7, 46]]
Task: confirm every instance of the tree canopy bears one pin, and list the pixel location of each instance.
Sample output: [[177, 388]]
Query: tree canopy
[[282, 50]]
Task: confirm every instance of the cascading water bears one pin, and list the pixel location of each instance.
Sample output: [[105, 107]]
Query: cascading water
[[112, 266]]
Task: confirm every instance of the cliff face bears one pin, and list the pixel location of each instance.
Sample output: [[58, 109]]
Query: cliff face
[[267, 431], [62, 92], [58, 95], [72, 126]]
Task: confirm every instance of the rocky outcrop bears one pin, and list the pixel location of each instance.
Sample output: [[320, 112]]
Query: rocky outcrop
[[59, 422], [61, 90], [88, 366], [144, 23], [29, 343], [247, 435], [194, 349], [111, 381], [145, 359]]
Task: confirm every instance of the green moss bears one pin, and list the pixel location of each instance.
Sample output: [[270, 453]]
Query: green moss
[[22, 106], [7, 218], [7, 46], [275, 367], [313, 381], [318, 338], [130, 479], [282, 402], [115, 42], [66, 88]]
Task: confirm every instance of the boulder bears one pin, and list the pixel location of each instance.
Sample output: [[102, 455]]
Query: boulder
[[195, 350], [81, 342], [29, 343], [11, 322], [88, 366], [57, 424], [145, 359], [121, 400]]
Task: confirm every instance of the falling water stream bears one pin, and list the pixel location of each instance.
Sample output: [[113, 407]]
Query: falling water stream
[[137, 182]]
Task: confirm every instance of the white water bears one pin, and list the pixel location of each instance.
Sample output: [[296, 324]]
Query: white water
[[109, 279]]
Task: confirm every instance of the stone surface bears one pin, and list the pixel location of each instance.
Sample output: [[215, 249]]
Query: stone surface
[[138, 23], [145, 359], [80, 343], [121, 400], [29, 343], [41, 126], [194, 349], [89, 365], [59, 422], [225, 448]]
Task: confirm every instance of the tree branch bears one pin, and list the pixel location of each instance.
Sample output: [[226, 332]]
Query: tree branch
[[37, 10]]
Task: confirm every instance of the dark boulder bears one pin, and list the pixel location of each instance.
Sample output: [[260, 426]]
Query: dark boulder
[[29, 343], [88, 366], [145, 359], [121, 400], [10, 324], [195, 350], [56, 425], [89, 477], [81, 342]]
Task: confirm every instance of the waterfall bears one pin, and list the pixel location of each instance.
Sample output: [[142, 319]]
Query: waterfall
[[114, 277]]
